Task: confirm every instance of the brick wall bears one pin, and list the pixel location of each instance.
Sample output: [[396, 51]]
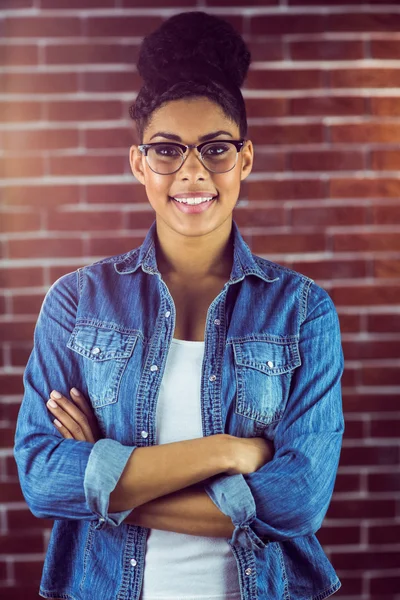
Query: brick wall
[[323, 101]]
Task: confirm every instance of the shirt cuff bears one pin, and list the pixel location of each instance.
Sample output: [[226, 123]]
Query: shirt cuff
[[106, 463], [232, 495]]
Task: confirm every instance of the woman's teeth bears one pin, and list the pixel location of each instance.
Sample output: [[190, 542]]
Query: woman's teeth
[[194, 201]]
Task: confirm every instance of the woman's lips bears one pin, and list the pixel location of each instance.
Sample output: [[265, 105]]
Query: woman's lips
[[193, 208]]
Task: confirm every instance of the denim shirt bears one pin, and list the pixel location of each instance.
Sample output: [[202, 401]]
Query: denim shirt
[[272, 367]]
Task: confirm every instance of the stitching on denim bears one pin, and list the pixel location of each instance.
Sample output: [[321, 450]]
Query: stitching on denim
[[328, 592], [278, 548], [88, 547]]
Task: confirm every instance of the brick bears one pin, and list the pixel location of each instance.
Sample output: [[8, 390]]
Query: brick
[[385, 160], [337, 535], [57, 271], [3, 571], [14, 222], [327, 106], [386, 49], [363, 242], [91, 53], [333, 2], [349, 323], [347, 482], [364, 403], [39, 83], [366, 133], [286, 134], [332, 269], [111, 246], [22, 543], [236, 2], [365, 295], [28, 571], [40, 195], [384, 482], [20, 354], [384, 534], [21, 166], [84, 220], [16, 277], [386, 268], [70, 4], [353, 429], [386, 214], [265, 50], [14, 55], [115, 81], [368, 78], [9, 412], [27, 304], [326, 160], [116, 193], [161, 3], [315, 23], [11, 465], [41, 27], [266, 107], [357, 350], [381, 375], [121, 26], [326, 216], [369, 455], [16, 111], [284, 79], [2, 305], [20, 592], [82, 110], [349, 377], [11, 492], [23, 519], [36, 248], [385, 106], [44, 139], [6, 441], [326, 50], [109, 138], [88, 165], [384, 323], [288, 243], [389, 584], [352, 585], [16, 332], [140, 220], [265, 161], [14, 4], [291, 189], [361, 508], [262, 217], [366, 559]]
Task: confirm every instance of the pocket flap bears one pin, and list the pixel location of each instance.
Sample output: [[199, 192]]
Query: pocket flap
[[272, 358], [100, 343]]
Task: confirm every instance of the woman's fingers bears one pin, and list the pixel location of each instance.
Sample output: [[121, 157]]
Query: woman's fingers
[[63, 430], [87, 409], [70, 417]]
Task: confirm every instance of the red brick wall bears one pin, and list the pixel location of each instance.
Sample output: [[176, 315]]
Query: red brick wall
[[324, 105]]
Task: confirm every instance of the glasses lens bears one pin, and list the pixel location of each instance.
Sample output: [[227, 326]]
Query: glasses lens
[[219, 156], [164, 158]]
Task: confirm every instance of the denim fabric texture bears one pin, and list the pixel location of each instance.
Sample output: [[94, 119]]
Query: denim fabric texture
[[272, 367]]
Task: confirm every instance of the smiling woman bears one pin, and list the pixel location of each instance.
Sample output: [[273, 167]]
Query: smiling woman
[[197, 457]]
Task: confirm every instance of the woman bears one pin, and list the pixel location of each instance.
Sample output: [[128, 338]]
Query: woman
[[198, 457]]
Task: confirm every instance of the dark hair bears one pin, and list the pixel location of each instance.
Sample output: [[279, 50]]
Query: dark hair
[[192, 54]]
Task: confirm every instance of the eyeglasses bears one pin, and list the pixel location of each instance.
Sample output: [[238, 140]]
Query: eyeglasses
[[166, 158]]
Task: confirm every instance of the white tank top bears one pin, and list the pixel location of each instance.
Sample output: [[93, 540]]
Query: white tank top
[[180, 566]]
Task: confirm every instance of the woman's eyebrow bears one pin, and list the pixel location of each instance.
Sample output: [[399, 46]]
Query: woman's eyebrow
[[203, 138]]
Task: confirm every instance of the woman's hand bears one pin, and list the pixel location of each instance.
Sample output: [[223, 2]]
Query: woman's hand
[[74, 419], [249, 454]]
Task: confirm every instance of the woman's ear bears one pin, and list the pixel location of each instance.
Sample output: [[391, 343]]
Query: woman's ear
[[136, 162], [247, 159]]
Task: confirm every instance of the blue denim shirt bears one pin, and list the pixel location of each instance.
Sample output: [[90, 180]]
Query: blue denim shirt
[[272, 367]]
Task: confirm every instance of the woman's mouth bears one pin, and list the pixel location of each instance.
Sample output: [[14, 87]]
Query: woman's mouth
[[193, 205]]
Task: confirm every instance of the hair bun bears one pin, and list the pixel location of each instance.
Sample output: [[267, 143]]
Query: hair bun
[[193, 45]]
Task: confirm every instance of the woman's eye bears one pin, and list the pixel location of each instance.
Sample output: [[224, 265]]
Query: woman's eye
[[167, 151], [216, 150]]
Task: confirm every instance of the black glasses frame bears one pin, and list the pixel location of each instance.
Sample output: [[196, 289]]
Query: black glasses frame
[[185, 147]]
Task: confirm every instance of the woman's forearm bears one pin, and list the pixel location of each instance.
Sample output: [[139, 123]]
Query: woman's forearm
[[158, 470], [189, 511]]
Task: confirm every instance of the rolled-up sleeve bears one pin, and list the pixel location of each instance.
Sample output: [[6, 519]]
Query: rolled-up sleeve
[[62, 478], [290, 495]]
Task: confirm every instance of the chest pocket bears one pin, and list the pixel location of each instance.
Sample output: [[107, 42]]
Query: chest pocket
[[107, 352], [263, 373]]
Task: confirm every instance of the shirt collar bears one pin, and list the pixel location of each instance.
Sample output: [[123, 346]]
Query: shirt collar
[[244, 262]]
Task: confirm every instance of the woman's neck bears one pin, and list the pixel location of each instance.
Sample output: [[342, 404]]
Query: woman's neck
[[195, 257]]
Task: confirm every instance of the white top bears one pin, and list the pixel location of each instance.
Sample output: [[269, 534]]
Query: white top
[[181, 566]]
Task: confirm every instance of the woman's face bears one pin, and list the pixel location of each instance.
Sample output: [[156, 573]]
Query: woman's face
[[190, 119]]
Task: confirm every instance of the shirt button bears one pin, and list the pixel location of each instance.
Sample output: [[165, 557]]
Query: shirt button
[[248, 571], [217, 322], [101, 520], [153, 368], [167, 314], [212, 377], [133, 562], [270, 364], [144, 434], [96, 351]]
